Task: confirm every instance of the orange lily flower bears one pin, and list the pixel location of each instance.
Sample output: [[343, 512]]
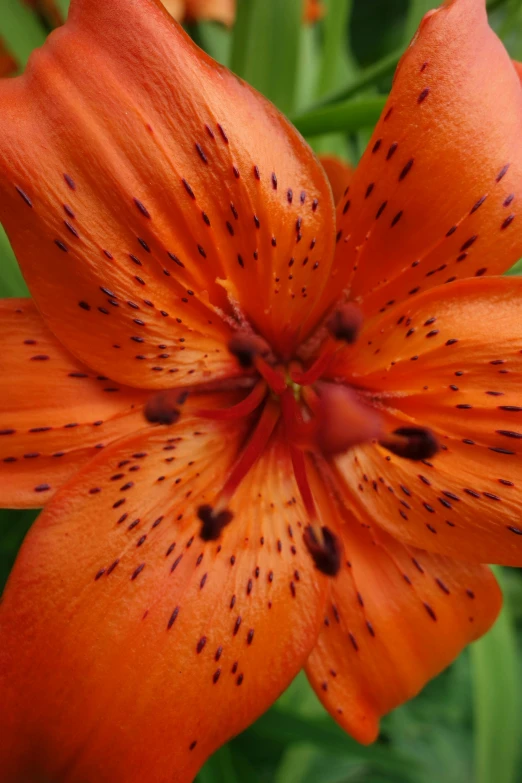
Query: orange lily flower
[[348, 454]]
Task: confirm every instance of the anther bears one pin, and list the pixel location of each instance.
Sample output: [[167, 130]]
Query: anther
[[213, 522], [326, 554], [162, 408], [413, 443], [345, 324], [245, 347]]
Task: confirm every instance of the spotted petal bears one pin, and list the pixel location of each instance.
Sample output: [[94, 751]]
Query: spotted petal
[[55, 413], [449, 360], [396, 617], [132, 649], [436, 194], [161, 195], [339, 175]]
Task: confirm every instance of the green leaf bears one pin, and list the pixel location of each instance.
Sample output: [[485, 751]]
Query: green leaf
[[368, 78], [20, 29], [516, 269], [219, 768], [13, 527], [63, 6], [11, 280], [347, 116], [216, 40], [308, 67], [337, 65], [306, 764], [418, 8], [497, 690], [265, 47], [338, 68], [511, 29], [283, 727]]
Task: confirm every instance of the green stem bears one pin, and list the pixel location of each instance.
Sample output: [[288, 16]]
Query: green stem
[[368, 77], [347, 116], [496, 692], [335, 26]]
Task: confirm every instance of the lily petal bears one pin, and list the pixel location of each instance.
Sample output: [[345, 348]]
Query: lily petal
[[435, 196], [449, 360], [396, 617], [55, 413], [131, 648], [339, 175], [164, 158]]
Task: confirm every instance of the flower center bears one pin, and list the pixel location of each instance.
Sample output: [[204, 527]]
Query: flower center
[[321, 418]]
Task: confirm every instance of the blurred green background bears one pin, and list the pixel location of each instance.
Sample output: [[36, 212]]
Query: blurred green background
[[331, 78]]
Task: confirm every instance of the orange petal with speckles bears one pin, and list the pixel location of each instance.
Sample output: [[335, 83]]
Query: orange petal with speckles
[[133, 164], [436, 194], [396, 617], [339, 175], [133, 649], [449, 360], [55, 413]]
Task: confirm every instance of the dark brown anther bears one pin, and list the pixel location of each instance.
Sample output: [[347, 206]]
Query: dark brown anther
[[345, 324], [161, 408], [326, 554], [245, 347], [415, 443], [212, 522]]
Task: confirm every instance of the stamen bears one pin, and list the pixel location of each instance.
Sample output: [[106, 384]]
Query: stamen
[[243, 408], [214, 516], [245, 347], [345, 324], [162, 408], [326, 553], [413, 443]]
